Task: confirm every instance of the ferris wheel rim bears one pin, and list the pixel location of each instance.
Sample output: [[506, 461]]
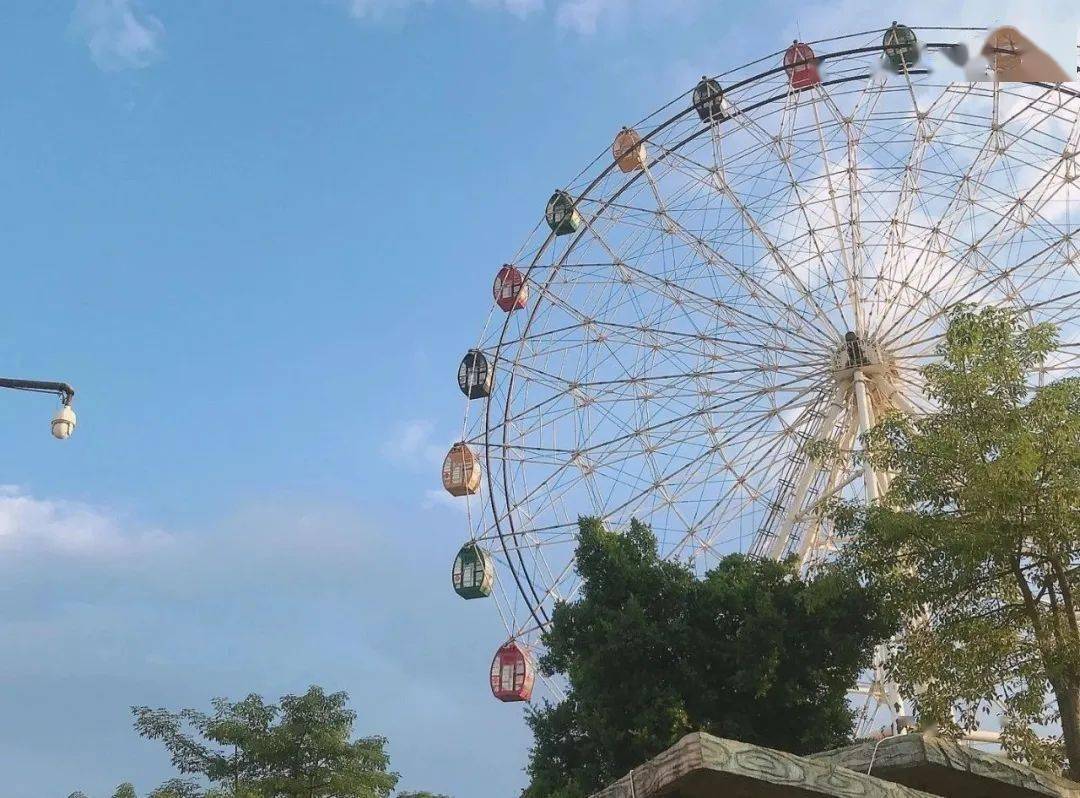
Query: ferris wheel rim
[[511, 538], [537, 603]]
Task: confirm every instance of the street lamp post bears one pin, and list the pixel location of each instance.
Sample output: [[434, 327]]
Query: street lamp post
[[63, 422]]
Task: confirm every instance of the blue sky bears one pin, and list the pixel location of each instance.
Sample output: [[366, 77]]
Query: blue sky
[[257, 237]]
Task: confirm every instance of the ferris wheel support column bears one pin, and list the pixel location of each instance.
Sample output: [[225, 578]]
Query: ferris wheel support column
[[806, 476], [883, 686], [862, 406]]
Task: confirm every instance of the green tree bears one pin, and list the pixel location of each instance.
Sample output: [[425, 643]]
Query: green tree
[[186, 788], [301, 747], [978, 537], [421, 795], [651, 652], [125, 790]]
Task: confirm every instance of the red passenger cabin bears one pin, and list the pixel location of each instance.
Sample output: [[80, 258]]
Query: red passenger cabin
[[801, 66], [512, 673], [510, 291]]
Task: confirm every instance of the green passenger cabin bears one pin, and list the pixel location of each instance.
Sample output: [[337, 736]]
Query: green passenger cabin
[[709, 100], [473, 572], [901, 46], [561, 215]]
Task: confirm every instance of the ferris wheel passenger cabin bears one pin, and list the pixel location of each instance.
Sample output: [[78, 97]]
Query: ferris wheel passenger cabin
[[461, 471], [629, 151], [709, 100], [512, 673], [510, 289], [901, 46], [474, 377], [473, 572], [561, 215], [800, 63]]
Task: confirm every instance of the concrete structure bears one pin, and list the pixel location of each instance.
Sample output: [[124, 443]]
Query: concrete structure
[[909, 766], [943, 767]]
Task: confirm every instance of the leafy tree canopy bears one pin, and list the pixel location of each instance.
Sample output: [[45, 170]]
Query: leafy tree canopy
[[650, 652], [977, 540], [125, 790], [301, 747]]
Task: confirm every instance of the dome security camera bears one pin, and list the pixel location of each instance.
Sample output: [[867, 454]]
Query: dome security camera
[[63, 423]]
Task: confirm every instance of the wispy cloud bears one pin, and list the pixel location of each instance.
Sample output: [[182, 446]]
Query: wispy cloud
[[32, 525], [435, 498], [101, 611], [584, 17], [519, 8], [392, 9], [411, 445], [120, 34]]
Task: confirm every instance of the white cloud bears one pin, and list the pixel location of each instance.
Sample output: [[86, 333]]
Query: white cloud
[[380, 9], [271, 598], [435, 498], [519, 8], [584, 17], [71, 529], [410, 445], [119, 33], [387, 9]]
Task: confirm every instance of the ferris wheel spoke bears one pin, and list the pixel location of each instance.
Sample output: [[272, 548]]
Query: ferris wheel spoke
[[900, 222], [999, 226], [732, 400], [809, 413], [731, 195], [754, 471], [920, 327], [847, 257], [945, 225], [715, 260], [732, 435], [852, 141], [685, 313], [744, 276], [757, 290], [787, 157]]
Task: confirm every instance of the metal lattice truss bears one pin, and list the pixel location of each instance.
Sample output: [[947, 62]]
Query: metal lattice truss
[[681, 349]]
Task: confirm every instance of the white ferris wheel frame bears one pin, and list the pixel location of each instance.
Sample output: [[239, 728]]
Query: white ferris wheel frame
[[823, 395]]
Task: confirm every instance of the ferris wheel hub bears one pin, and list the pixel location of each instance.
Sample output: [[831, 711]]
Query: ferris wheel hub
[[860, 353]]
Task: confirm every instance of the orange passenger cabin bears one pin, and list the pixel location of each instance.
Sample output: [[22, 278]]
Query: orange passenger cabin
[[461, 471], [628, 151], [801, 66], [510, 290], [512, 673]]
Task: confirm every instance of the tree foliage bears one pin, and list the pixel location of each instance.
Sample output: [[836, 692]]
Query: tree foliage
[[298, 748], [651, 652], [125, 790], [977, 539]]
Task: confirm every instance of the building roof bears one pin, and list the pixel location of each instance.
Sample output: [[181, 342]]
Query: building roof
[[908, 766]]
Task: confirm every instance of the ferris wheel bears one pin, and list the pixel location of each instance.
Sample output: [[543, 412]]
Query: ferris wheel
[[764, 263]]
